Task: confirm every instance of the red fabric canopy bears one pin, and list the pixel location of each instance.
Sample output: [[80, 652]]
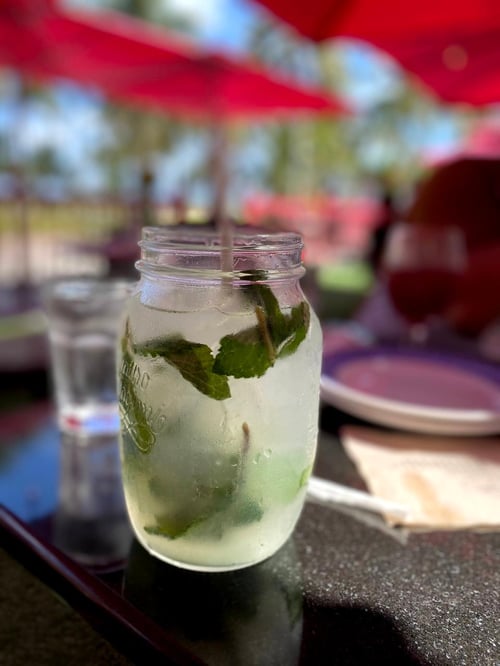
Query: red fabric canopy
[[133, 61], [370, 19], [463, 66], [452, 45]]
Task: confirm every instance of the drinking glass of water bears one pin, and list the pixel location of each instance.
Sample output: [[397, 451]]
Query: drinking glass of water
[[83, 317]]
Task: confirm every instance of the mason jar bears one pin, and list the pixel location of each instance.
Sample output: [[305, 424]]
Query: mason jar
[[219, 371]]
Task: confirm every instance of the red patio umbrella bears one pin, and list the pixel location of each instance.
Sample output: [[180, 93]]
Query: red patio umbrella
[[452, 45], [133, 61], [459, 66], [369, 19]]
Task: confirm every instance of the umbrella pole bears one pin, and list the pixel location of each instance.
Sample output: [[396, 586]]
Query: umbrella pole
[[26, 277], [20, 186]]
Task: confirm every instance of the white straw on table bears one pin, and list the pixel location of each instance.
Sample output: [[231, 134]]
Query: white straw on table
[[333, 493]]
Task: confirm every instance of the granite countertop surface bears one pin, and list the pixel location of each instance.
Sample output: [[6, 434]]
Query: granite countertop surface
[[345, 589]]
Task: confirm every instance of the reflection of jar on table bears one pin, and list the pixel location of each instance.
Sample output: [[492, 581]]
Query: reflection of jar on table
[[248, 617]]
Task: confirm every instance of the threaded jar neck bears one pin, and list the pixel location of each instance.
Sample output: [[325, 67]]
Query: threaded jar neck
[[194, 253]]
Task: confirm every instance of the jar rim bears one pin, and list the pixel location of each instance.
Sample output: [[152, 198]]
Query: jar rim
[[201, 239], [203, 254]]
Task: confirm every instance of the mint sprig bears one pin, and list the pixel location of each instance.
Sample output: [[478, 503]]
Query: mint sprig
[[192, 359], [250, 353]]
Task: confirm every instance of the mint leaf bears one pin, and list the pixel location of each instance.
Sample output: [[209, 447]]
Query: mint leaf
[[243, 354], [244, 512], [193, 360], [170, 529], [270, 305], [250, 353], [247, 511], [176, 523], [304, 476], [132, 409], [194, 502], [256, 275], [297, 325]]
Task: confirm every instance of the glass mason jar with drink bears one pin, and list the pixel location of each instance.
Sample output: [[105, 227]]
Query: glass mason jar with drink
[[219, 394]]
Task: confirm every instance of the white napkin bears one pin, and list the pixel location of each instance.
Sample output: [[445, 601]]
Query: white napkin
[[446, 482]]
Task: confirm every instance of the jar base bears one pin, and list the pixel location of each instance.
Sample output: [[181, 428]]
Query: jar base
[[189, 566]]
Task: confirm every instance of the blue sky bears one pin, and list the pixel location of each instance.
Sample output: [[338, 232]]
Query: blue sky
[[223, 23]]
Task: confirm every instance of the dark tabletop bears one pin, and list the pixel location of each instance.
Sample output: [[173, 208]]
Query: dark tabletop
[[345, 589]]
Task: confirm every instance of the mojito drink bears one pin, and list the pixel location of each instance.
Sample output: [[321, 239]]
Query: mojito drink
[[219, 408]]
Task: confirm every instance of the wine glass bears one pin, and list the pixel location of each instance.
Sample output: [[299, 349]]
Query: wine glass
[[421, 265]]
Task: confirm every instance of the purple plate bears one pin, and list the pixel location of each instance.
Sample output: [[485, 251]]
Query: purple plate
[[414, 390]]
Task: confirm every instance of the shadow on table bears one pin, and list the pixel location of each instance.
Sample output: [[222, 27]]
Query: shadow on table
[[260, 616], [354, 636]]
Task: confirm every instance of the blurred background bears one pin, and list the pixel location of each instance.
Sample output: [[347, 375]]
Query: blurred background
[[84, 164]]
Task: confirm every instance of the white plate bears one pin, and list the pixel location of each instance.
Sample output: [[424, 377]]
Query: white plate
[[414, 391]]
